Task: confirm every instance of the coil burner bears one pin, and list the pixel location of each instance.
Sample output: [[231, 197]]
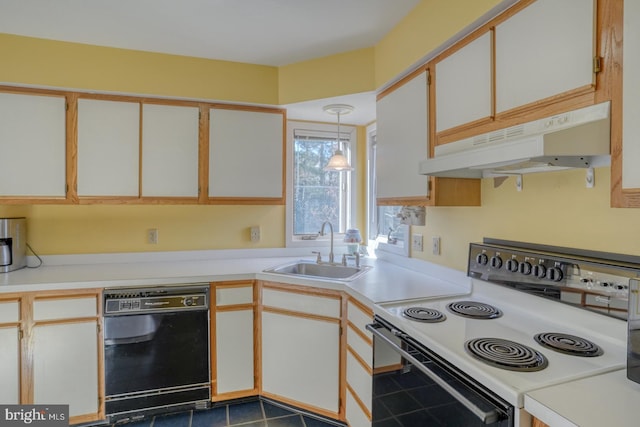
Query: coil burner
[[422, 314], [568, 344], [506, 354], [474, 309]]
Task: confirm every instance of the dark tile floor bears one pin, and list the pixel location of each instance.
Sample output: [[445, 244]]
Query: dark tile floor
[[255, 413]]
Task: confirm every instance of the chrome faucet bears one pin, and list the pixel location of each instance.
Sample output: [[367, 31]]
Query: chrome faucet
[[322, 234]]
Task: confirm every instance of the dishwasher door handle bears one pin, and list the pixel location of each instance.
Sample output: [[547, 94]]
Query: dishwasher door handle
[[486, 417]]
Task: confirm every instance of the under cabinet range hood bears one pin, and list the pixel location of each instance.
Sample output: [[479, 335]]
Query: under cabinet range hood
[[576, 139]]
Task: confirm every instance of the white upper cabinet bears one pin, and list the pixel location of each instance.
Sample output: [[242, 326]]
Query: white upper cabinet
[[463, 85], [245, 153], [544, 50], [32, 145], [401, 140], [631, 96], [169, 151], [108, 148]]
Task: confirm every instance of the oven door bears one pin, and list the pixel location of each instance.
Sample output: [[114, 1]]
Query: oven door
[[420, 388]]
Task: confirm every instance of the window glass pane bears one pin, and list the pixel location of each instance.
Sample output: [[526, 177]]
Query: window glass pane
[[317, 194], [388, 221]]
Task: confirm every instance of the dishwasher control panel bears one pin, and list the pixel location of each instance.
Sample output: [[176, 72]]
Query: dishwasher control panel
[[129, 301]]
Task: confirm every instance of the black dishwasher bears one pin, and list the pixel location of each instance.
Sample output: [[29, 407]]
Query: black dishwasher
[[156, 350]]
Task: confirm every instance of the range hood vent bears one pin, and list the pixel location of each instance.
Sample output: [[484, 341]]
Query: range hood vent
[[576, 139]]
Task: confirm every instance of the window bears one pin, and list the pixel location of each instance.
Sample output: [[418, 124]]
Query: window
[[385, 225], [314, 195]]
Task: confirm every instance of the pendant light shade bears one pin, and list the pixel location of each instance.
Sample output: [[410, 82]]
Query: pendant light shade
[[338, 162]]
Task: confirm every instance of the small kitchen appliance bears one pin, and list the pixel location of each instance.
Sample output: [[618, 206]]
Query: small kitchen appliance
[[13, 244], [537, 316]]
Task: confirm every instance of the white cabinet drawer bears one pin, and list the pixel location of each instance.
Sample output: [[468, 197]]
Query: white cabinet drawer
[[360, 346], [359, 318], [355, 415], [234, 295], [9, 312], [295, 301], [67, 308], [359, 380]]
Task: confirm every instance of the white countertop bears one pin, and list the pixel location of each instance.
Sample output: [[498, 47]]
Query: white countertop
[[603, 400], [607, 399], [391, 278]]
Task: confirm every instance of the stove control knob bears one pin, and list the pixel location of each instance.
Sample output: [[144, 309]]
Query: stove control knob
[[512, 265], [525, 268], [496, 261], [540, 271], [482, 259], [555, 274], [188, 301]]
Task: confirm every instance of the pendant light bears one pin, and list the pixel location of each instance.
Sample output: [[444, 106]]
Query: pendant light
[[338, 162]]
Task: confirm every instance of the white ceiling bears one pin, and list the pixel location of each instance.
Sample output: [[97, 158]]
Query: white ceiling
[[268, 32]]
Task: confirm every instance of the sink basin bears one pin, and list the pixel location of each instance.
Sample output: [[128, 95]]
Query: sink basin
[[321, 271]]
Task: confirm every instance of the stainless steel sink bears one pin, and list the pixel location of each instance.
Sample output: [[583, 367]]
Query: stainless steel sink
[[323, 271]]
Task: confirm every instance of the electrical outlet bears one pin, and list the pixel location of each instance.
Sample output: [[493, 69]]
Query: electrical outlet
[[435, 245], [152, 236], [416, 242], [255, 234]]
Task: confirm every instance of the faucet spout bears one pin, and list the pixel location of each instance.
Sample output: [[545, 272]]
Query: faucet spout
[[322, 234]]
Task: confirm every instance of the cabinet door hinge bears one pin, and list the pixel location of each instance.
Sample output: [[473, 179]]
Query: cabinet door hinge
[[20, 334], [597, 64], [428, 78]]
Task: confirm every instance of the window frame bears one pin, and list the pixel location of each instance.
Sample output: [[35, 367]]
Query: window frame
[[292, 240]]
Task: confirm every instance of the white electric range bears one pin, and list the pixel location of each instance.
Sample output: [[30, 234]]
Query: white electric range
[[529, 298]]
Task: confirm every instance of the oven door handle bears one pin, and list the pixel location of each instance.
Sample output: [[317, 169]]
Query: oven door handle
[[486, 417]]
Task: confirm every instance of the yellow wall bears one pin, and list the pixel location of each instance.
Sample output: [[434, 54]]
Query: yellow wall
[[40, 62], [553, 208], [336, 75], [429, 25], [55, 229]]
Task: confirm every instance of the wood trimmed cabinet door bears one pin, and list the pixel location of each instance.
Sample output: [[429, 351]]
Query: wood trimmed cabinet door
[[359, 381], [625, 177], [246, 155], [402, 134], [64, 360], [464, 85], [544, 50], [233, 342], [10, 350], [170, 149], [33, 143], [301, 350], [108, 148]]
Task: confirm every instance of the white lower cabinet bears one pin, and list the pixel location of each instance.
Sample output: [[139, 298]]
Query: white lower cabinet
[[65, 345], [301, 349], [10, 352], [234, 358], [65, 366], [233, 372]]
